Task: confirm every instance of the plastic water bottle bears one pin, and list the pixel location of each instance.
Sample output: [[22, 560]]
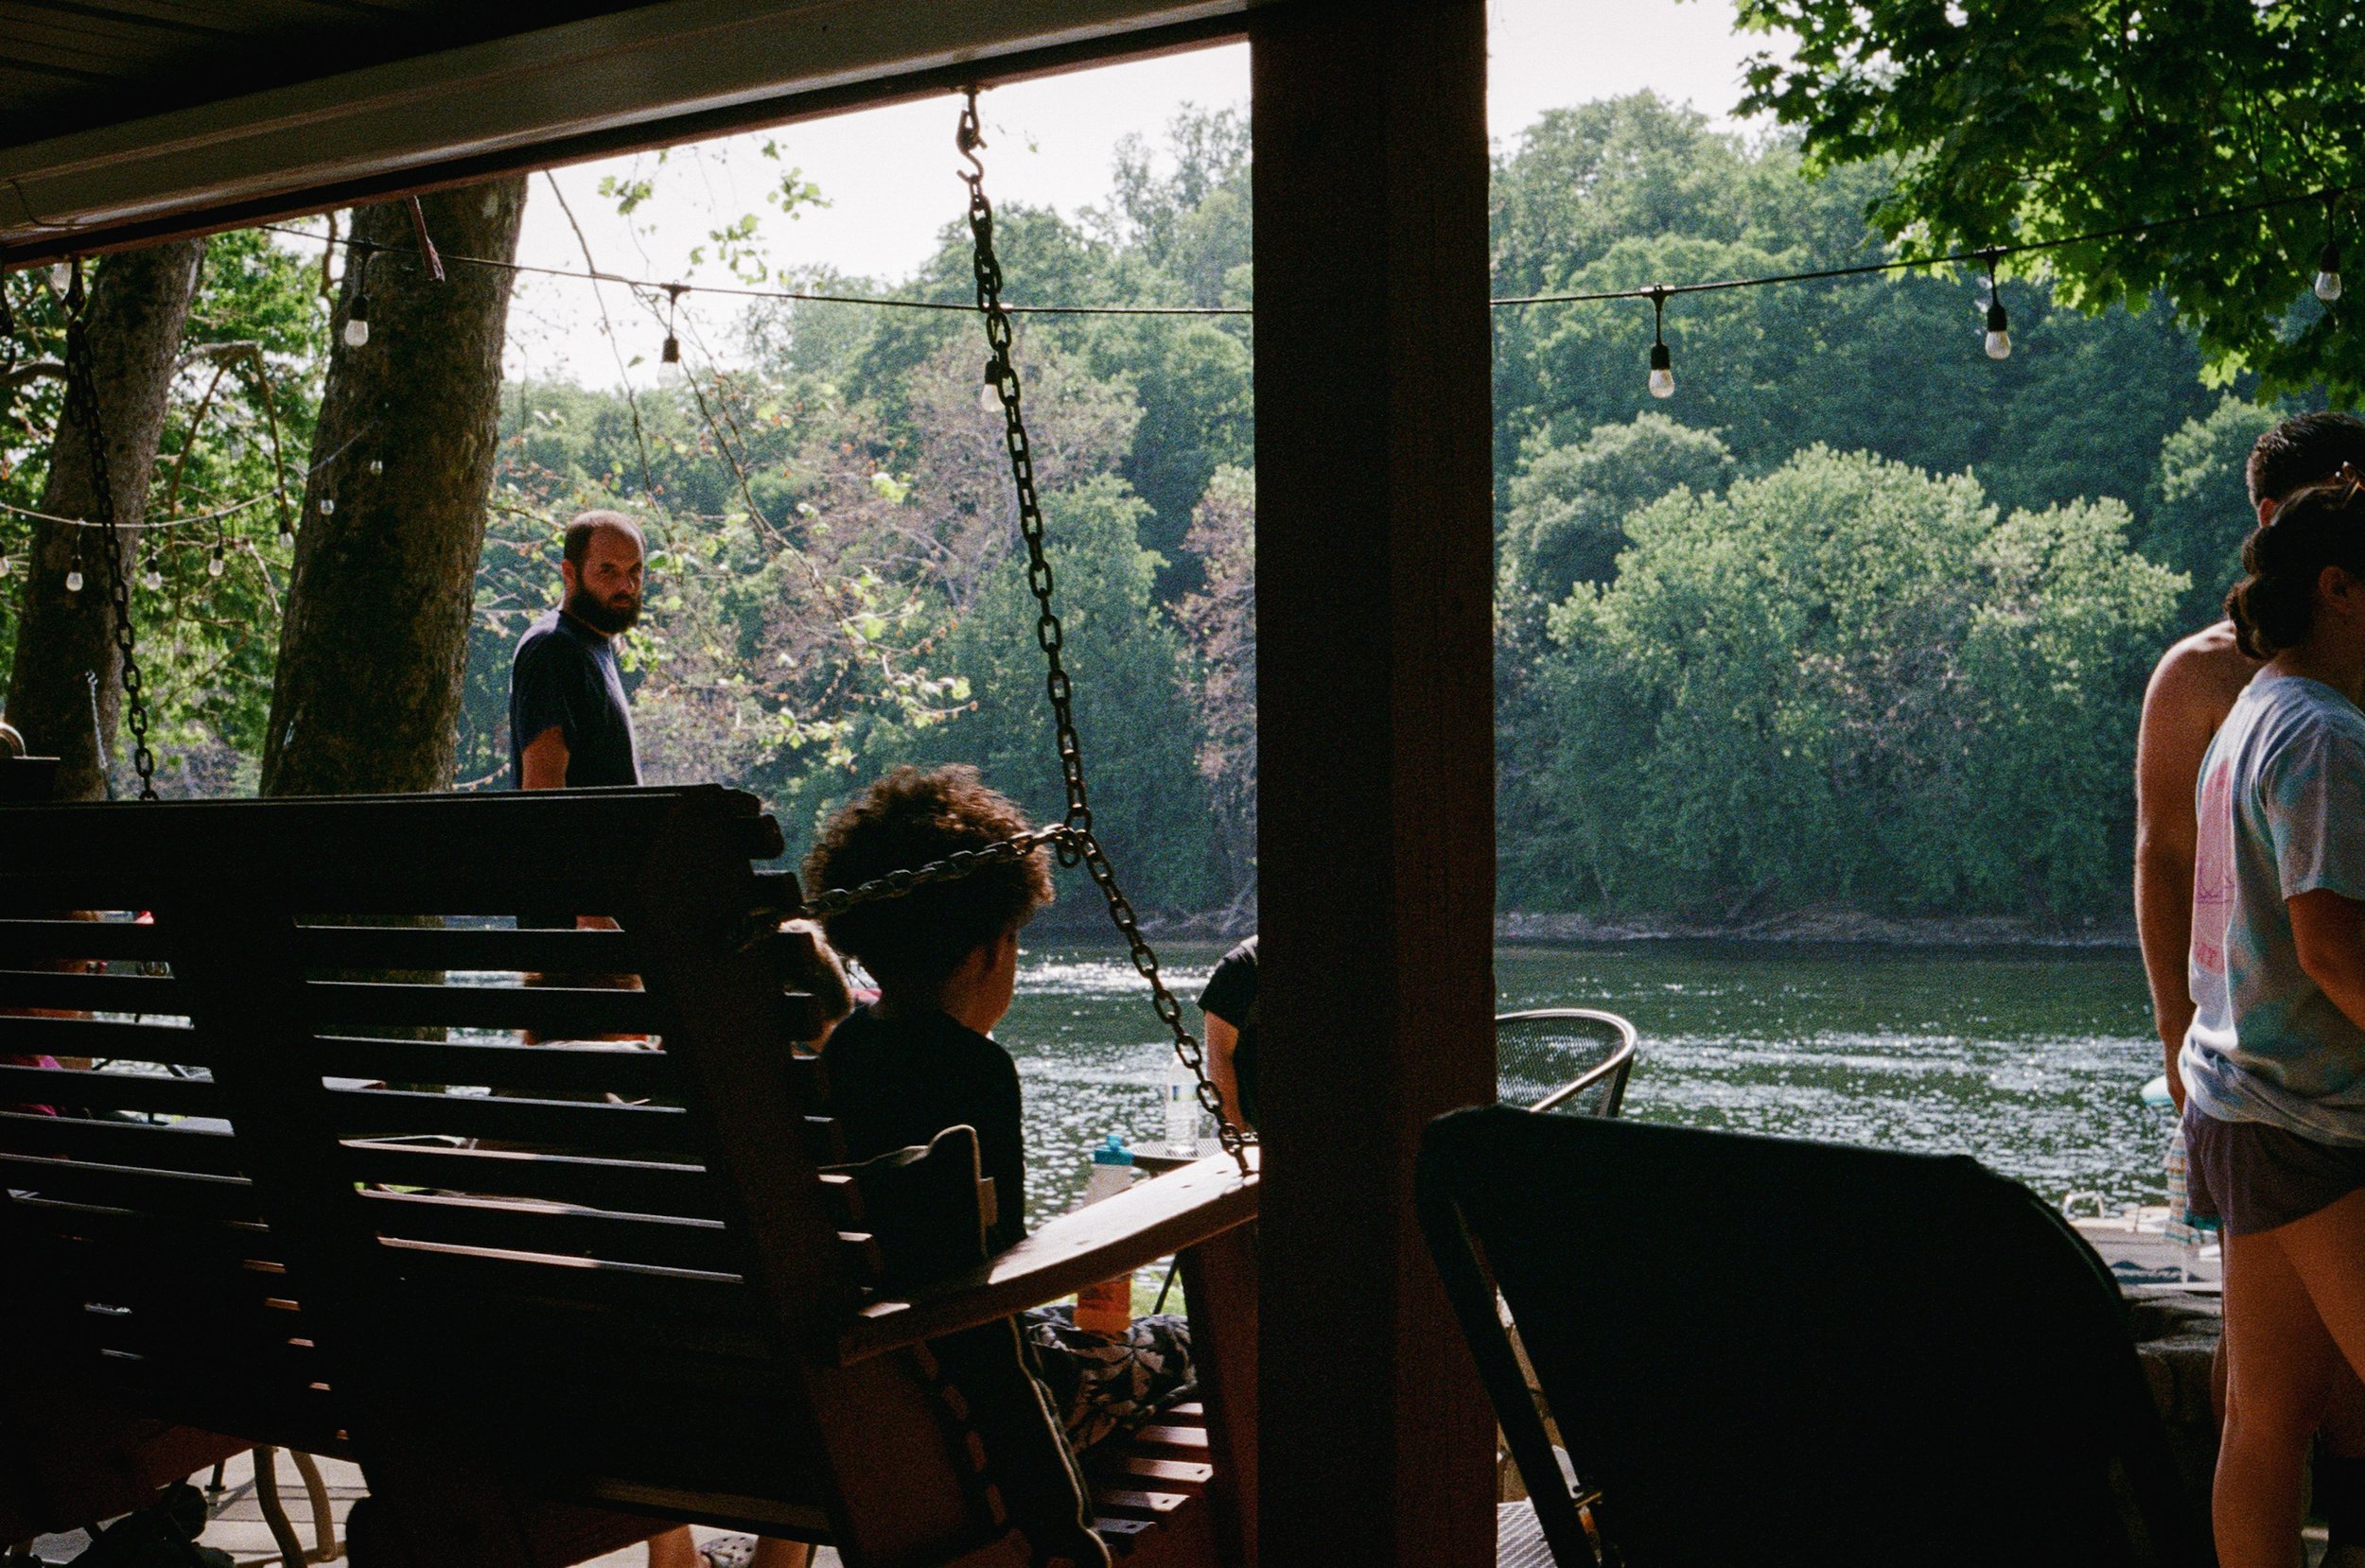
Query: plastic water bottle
[[1183, 1113], [1108, 1307]]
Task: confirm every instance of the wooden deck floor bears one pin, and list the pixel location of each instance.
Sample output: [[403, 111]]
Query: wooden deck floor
[[238, 1525]]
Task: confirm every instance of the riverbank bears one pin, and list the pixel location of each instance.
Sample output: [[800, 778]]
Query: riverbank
[[1822, 923], [1828, 923]]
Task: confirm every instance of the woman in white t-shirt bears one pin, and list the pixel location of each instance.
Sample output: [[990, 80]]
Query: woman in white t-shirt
[[2275, 1062]]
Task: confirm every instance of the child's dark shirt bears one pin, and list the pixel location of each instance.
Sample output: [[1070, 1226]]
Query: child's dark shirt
[[898, 1081]]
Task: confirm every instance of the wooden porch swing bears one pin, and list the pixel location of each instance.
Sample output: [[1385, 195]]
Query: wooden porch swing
[[552, 1298]]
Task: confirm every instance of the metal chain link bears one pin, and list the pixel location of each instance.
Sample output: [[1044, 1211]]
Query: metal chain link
[[961, 862], [82, 388], [1078, 844]]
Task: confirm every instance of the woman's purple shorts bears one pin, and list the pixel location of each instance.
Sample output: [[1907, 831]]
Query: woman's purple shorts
[[2254, 1177]]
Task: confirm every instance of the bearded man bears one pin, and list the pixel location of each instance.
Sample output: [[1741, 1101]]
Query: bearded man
[[569, 727]]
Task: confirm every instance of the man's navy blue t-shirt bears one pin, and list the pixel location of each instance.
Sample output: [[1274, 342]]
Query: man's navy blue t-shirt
[[564, 677]]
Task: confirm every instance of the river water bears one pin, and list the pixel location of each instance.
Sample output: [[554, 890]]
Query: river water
[[2030, 1060]]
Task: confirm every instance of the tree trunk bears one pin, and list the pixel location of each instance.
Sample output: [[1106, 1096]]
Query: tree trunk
[[139, 301], [376, 638]]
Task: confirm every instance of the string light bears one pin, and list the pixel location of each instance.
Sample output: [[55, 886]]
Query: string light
[[1999, 339], [357, 314], [328, 506], [668, 358], [997, 371], [214, 563], [1662, 382], [6, 565], [74, 567], [153, 579], [61, 276]]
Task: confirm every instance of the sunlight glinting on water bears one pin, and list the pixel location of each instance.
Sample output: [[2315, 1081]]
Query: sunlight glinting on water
[[2029, 1061]]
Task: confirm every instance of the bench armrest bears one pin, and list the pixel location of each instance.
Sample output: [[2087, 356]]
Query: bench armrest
[[1114, 1236]]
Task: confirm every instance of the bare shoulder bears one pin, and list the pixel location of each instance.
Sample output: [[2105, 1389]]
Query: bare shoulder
[[2197, 680]]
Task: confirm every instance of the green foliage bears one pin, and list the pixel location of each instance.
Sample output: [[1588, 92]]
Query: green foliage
[[1139, 733], [2200, 509], [1849, 680], [1569, 504], [2043, 120], [241, 413]]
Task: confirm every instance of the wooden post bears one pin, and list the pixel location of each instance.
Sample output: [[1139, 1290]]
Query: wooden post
[[1376, 841]]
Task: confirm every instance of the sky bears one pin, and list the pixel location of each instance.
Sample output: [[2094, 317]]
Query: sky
[[887, 175]]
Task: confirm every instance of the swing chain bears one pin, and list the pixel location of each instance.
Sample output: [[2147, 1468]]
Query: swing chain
[[83, 388], [953, 867], [1079, 843]]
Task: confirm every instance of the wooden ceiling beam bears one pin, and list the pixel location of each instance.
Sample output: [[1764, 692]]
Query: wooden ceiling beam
[[662, 74]]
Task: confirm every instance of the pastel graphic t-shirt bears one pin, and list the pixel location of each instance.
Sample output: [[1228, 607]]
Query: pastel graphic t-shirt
[[2280, 813]]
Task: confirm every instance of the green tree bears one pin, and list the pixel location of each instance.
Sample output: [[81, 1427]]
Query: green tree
[[2045, 119], [1140, 736], [1569, 505], [2199, 507], [1852, 680]]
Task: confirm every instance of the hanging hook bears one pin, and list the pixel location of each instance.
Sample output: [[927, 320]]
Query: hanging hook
[[969, 136]]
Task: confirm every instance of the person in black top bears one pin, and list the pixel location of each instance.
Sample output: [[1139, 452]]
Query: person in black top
[[569, 727], [921, 1058], [1230, 1002]]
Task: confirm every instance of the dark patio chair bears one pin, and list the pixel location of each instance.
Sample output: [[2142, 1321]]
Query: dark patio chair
[[1786, 1354], [1570, 1059]]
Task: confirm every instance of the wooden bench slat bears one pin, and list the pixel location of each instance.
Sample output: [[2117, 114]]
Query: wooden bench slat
[[558, 1229], [176, 1194], [1142, 1469], [23, 939], [150, 995], [498, 949], [109, 1038], [637, 1288], [618, 1186], [580, 1127], [83, 1090], [586, 1068], [1161, 1437], [1127, 1502], [154, 1147], [565, 1011]]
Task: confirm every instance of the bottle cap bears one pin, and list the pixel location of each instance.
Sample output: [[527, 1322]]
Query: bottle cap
[[1112, 1152]]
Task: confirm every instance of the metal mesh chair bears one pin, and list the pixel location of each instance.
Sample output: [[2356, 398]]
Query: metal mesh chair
[[1570, 1059]]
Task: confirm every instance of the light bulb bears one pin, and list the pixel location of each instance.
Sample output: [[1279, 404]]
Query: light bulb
[[286, 538], [328, 506], [6, 565], [151, 579], [377, 465], [1999, 341], [1662, 372], [61, 276], [356, 332], [73, 581], [990, 396], [213, 567], [2328, 273]]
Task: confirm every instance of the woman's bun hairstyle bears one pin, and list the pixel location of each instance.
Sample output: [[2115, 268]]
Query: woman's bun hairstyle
[[2273, 606]]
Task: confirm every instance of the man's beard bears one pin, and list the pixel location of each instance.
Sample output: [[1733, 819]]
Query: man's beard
[[592, 612]]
